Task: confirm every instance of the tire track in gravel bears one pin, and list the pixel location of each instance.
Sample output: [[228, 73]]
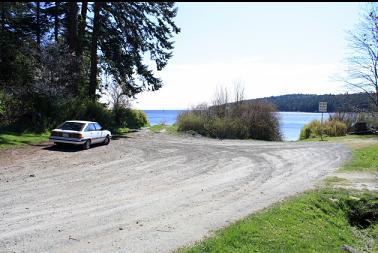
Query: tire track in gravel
[[147, 193]]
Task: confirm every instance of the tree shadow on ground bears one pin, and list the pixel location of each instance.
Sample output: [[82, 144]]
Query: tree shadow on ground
[[42, 144], [69, 148], [133, 130], [117, 137]]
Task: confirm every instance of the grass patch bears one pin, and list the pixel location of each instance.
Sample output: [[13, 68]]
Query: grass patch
[[330, 181], [315, 129], [364, 159], [121, 131], [344, 138], [9, 139], [317, 221], [172, 129]]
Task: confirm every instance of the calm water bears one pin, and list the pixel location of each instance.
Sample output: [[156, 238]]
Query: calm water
[[291, 122]]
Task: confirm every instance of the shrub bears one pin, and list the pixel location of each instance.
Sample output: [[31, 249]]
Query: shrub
[[255, 120], [351, 118], [130, 118], [45, 113], [88, 110], [191, 121], [262, 120], [311, 130], [335, 128], [330, 128], [137, 119]]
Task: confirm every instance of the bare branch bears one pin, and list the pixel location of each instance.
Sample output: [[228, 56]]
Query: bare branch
[[362, 70]]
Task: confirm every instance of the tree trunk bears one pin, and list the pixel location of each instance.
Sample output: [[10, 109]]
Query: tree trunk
[[38, 28], [376, 101], [2, 16], [72, 26], [72, 40], [56, 22], [82, 25], [93, 74], [2, 32]]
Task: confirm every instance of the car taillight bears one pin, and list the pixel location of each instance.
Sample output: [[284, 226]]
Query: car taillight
[[79, 136]]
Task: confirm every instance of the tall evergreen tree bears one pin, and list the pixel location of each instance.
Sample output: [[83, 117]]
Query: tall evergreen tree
[[95, 32], [82, 23], [52, 51], [128, 32], [71, 31]]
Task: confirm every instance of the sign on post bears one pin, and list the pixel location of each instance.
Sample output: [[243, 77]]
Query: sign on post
[[322, 106]]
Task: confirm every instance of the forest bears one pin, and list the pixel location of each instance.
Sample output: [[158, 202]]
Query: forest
[[354, 102], [58, 58]]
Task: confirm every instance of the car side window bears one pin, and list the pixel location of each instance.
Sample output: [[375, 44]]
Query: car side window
[[90, 127], [98, 127]]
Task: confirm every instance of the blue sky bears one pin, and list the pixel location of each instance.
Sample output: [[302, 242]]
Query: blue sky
[[272, 48]]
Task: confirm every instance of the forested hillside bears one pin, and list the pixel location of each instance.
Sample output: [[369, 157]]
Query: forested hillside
[[310, 102]]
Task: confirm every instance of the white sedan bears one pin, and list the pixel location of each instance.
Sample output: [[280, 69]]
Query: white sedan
[[80, 133]]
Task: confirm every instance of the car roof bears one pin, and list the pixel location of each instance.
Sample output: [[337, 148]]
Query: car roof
[[81, 121]]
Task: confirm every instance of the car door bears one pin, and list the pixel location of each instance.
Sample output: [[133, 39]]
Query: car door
[[100, 133], [91, 132], [95, 135]]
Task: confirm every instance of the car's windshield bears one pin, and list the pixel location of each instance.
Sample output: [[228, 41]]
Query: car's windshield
[[74, 126]]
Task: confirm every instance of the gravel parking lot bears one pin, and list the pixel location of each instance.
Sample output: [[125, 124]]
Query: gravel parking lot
[[148, 192]]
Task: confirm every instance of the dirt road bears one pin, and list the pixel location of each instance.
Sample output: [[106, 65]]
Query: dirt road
[[149, 192]]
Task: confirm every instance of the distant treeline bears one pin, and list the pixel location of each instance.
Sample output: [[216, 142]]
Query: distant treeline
[[355, 102]]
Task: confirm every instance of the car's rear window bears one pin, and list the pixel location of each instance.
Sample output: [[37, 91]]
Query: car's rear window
[[74, 126]]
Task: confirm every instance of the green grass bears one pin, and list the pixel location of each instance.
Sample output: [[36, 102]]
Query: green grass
[[313, 222], [344, 138], [363, 159], [9, 139], [330, 181], [169, 128]]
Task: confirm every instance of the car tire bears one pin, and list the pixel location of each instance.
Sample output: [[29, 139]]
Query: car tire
[[107, 140], [87, 145]]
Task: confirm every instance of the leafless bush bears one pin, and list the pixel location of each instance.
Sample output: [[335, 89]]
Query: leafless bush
[[56, 76], [118, 99], [255, 120], [350, 118]]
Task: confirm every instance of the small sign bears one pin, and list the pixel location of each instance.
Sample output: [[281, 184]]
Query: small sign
[[322, 106]]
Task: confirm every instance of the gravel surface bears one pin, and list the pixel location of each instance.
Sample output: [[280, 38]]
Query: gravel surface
[[150, 192]]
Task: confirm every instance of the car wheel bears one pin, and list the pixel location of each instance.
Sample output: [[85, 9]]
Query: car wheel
[[107, 140], [87, 144]]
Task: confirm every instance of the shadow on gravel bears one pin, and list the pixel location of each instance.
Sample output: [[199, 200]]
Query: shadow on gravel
[[133, 130], [43, 144], [117, 137], [69, 148]]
